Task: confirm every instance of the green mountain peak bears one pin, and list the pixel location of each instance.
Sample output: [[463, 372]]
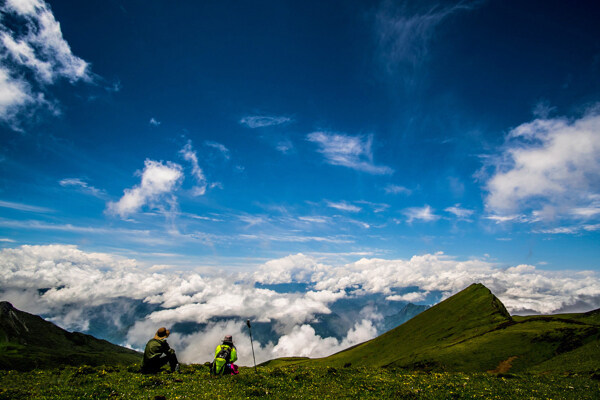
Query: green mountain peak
[[472, 331]]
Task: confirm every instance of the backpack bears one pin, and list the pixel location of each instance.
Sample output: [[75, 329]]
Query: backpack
[[224, 354]]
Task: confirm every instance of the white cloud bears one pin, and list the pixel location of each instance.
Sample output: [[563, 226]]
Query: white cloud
[[567, 230], [591, 228], [263, 121], [285, 146], [293, 268], [317, 220], [135, 235], [424, 213], [190, 155], [154, 122], [348, 151], [224, 150], [377, 207], [411, 297], [253, 220], [25, 207], [506, 218], [343, 206], [43, 47], [303, 341], [157, 182], [396, 189], [295, 238], [551, 167], [459, 212], [14, 94], [81, 184], [39, 47]]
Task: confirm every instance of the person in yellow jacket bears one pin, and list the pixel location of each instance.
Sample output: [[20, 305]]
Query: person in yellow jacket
[[225, 356]]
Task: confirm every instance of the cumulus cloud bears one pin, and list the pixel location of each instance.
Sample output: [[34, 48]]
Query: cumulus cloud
[[37, 49], [549, 168], [189, 154], [303, 341], [157, 182], [348, 151], [293, 268], [424, 213], [65, 284], [263, 121]]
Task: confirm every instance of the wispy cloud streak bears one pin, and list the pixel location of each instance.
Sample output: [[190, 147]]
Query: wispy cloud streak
[[348, 151], [24, 207], [264, 121]]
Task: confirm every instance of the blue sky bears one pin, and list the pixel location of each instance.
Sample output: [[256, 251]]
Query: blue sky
[[402, 149], [345, 129]]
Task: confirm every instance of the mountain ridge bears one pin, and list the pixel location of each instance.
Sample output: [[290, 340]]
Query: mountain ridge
[[472, 331], [27, 341]]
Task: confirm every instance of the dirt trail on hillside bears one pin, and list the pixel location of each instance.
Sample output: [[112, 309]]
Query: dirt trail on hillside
[[504, 366]]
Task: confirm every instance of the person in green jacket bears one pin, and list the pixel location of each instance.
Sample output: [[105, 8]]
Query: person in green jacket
[[159, 353], [225, 356]]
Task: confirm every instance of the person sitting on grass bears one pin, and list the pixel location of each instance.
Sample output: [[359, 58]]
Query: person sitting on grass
[[158, 353], [225, 356]]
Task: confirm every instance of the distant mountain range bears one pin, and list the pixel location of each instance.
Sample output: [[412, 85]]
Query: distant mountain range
[[473, 332], [28, 341]]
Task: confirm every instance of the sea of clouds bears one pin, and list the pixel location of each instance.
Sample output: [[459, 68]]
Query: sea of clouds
[[85, 291]]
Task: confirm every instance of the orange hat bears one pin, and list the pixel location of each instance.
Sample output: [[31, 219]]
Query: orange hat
[[162, 333]]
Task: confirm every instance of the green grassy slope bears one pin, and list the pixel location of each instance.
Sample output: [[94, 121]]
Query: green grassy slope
[[417, 343], [472, 332], [28, 341], [194, 382]]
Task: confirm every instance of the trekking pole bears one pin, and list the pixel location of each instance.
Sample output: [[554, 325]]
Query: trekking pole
[[251, 343]]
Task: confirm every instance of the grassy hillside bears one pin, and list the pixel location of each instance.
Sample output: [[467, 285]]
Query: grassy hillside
[[28, 341], [290, 383], [472, 332]]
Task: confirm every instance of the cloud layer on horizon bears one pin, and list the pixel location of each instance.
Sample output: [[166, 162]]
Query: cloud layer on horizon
[[72, 280]]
